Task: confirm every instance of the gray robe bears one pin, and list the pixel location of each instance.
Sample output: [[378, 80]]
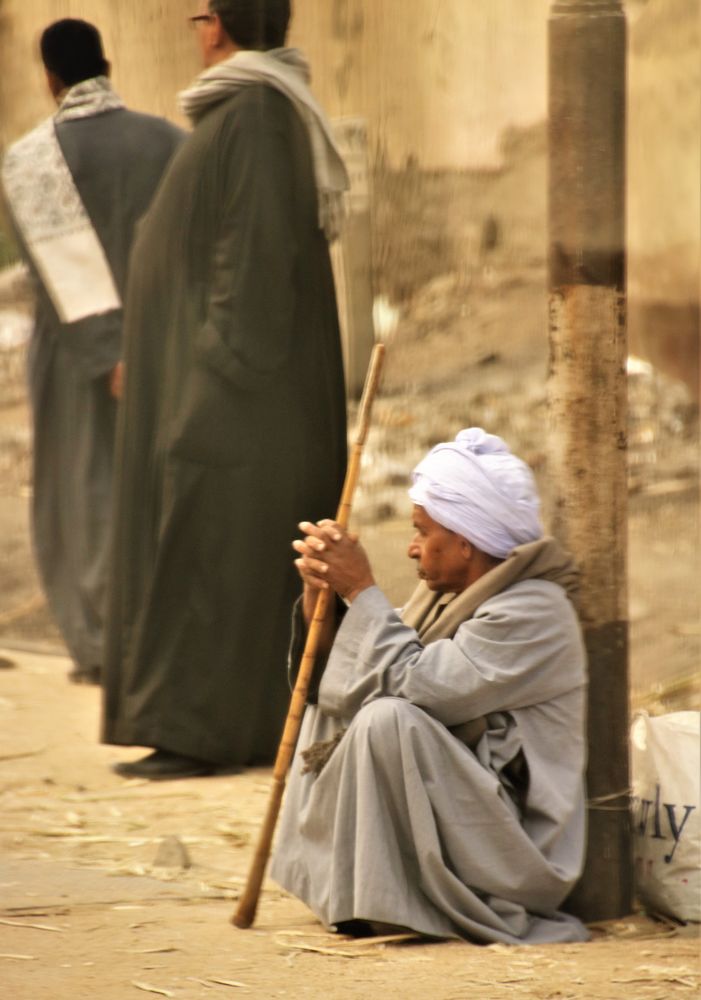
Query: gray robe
[[232, 430], [405, 824], [116, 159]]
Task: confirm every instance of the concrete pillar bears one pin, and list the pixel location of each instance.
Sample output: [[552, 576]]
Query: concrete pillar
[[587, 390]]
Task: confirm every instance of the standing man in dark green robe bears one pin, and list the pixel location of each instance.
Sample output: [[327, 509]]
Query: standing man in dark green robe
[[76, 187], [233, 421]]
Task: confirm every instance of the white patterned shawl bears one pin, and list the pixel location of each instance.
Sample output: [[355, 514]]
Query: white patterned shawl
[[50, 214]]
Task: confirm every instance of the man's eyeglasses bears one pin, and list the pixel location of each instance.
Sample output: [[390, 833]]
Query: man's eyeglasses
[[200, 17]]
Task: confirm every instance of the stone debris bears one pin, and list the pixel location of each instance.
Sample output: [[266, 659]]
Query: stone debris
[[172, 853]]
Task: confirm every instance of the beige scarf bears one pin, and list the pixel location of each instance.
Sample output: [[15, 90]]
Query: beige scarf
[[438, 616], [50, 215], [287, 71]]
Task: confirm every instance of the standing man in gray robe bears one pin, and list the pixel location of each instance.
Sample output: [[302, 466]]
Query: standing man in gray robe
[[76, 187], [233, 422], [443, 789]]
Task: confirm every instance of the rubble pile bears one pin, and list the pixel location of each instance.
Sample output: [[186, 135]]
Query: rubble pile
[[452, 363]]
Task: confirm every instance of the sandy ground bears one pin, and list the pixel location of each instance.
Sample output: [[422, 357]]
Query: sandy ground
[[88, 908]]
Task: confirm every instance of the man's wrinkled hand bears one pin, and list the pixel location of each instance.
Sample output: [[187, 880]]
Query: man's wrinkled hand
[[332, 558]]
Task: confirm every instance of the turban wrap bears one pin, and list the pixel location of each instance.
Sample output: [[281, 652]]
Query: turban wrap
[[477, 488]]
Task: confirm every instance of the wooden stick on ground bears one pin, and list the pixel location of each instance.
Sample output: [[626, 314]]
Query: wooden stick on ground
[[248, 904]]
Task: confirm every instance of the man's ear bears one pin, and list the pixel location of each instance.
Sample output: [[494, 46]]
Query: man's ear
[[55, 84], [467, 549], [219, 36]]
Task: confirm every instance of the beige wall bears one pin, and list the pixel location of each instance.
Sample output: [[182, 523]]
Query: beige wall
[[437, 80], [664, 186], [664, 167]]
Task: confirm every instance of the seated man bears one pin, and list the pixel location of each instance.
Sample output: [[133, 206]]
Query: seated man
[[452, 801]]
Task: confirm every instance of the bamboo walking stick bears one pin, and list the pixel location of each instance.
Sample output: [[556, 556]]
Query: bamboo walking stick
[[248, 904]]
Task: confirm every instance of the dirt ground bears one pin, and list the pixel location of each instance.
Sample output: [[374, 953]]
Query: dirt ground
[[92, 904]]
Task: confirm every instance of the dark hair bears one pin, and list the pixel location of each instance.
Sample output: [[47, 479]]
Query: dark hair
[[254, 24], [72, 50]]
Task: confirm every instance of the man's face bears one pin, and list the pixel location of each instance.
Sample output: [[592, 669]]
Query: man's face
[[442, 556], [206, 27]]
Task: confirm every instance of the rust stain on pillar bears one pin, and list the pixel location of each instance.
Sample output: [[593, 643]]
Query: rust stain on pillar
[[587, 390]]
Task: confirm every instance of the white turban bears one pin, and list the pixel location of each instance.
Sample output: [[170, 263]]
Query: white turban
[[477, 488]]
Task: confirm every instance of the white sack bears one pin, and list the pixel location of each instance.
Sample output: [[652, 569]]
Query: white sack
[[666, 764]]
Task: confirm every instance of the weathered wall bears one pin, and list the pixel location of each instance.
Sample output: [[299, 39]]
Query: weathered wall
[[437, 80], [664, 185], [665, 126]]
